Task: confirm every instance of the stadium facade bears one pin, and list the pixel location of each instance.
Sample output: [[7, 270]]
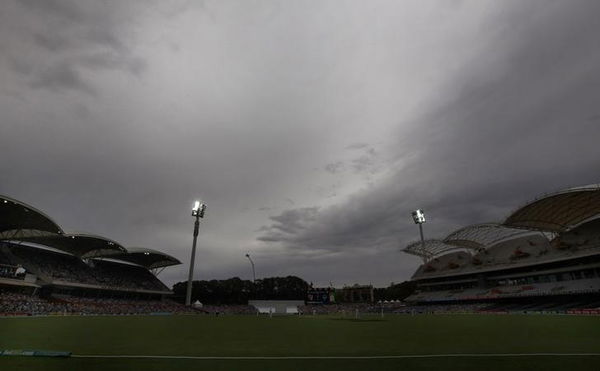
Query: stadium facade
[[38, 257], [545, 256]]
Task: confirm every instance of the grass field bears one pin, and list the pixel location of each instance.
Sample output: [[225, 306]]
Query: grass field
[[308, 336]]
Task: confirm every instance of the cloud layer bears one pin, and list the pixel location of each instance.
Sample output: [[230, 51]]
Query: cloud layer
[[517, 121], [311, 129]]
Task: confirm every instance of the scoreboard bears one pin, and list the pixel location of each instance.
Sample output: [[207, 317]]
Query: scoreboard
[[320, 296]]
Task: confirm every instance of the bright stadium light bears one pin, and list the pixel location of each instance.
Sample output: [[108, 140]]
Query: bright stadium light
[[198, 212], [419, 218], [198, 209]]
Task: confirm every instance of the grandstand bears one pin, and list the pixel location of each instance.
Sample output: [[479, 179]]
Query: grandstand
[[545, 256], [44, 269]]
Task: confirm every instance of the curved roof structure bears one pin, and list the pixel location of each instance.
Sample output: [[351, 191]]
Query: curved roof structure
[[432, 248], [558, 212], [83, 245], [147, 258], [16, 215], [482, 236]]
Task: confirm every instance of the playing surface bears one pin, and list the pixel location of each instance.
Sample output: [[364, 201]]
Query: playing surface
[[502, 338]]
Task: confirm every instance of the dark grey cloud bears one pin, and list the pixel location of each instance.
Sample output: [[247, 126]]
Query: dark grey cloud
[[60, 77], [50, 42], [512, 124], [55, 44], [334, 167], [117, 115], [64, 10], [355, 146], [366, 162]]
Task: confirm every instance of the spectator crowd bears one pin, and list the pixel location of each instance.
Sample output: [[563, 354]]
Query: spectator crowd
[[12, 303], [54, 266]]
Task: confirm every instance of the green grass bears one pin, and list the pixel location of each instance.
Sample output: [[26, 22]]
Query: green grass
[[304, 336]]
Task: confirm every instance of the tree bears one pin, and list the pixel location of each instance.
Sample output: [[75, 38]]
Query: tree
[[237, 291]]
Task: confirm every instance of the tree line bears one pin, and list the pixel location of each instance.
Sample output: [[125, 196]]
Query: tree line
[[237, 291]]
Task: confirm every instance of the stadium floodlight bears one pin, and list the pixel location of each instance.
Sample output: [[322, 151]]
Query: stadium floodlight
[[419, 218], [198, 212], [198, 209], [253, 271]]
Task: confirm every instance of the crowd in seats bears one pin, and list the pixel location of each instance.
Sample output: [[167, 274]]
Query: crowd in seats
[[21, 304], [350, 309], [518, 251], [584, 237], [542, 305], [126, 275], [58, 267], [441, 309], [89, 306], [8, 269], [567, 287], [545, 306], [12, 303], [229, 309], [54, 266]]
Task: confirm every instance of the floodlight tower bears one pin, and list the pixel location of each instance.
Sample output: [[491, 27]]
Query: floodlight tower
[[419, 218], [253, 271], [197, 212]]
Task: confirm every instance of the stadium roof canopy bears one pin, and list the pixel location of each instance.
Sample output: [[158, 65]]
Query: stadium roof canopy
[[83, 245], [482, 236], [432, 249], [16, 215], [150, 259], [560, 211]]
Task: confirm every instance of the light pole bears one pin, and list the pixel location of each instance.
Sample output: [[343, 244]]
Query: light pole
[[419, 218], [253, 271], [198, 212]]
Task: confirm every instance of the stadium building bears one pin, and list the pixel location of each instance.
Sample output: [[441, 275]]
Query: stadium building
[[545, 256], [62, 270]]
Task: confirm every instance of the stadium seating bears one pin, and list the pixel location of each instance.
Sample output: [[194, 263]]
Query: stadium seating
[[580, 286], [12, 303], [60, 268], [125, 275]]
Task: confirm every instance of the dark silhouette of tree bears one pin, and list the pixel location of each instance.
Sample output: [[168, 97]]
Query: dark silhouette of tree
[[237, 291]]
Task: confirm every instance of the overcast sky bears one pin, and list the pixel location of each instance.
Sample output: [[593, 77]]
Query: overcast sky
[[311, 129]]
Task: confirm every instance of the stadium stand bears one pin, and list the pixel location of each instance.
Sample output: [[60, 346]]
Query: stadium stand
[[14, 304], [44, 270], [229, 309], [115, 274], [544, 257]]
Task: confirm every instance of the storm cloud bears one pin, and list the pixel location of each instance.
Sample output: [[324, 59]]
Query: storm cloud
[[515, 122], [311, 129]]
